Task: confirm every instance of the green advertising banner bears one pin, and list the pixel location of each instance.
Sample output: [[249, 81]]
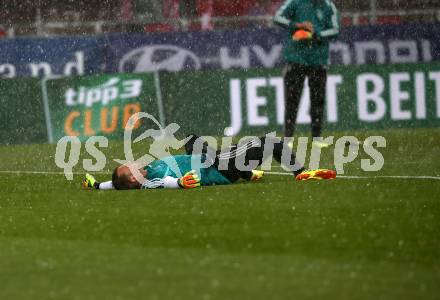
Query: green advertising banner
[[21, 111], [252, 102], [97, 105], [215, 102]]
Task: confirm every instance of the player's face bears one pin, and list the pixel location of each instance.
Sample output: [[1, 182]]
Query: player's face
[[125, 171]]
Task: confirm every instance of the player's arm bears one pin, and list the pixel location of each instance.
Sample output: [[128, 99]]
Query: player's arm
[[333, 27], [285, 17], [188, 181], [167, 182], [285, 14], [90, 182]]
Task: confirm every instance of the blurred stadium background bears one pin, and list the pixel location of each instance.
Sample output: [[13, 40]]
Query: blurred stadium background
[[50, 17], [83, 67], [46, 39]]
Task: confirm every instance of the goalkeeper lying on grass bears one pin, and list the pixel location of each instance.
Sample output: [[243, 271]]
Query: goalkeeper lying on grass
[[222, 167]]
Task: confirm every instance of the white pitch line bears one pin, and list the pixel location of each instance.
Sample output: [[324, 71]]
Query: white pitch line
[[47, 172], [388, 163], [266, 172], [390, 176], [367, 177]]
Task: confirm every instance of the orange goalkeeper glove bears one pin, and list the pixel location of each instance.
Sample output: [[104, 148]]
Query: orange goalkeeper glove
[[189, 181], [301, 35]]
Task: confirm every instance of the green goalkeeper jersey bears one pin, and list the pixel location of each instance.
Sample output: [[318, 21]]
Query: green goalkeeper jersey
[[325, 19], [177, 165]]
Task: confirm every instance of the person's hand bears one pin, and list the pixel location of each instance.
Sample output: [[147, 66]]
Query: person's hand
[[304, 31], [301, 35], [189, 181], [90, 182], [307, 25]]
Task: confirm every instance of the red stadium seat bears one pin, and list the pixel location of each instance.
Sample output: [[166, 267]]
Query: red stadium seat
[[157, 27], [388, 20]]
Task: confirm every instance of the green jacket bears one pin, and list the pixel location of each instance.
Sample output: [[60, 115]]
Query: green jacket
[[325, 18], [161, 168]]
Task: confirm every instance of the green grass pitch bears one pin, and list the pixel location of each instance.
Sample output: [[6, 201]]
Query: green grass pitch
[[375, 238]]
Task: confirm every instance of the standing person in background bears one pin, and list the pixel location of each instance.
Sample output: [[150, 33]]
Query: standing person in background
[[311, 24]]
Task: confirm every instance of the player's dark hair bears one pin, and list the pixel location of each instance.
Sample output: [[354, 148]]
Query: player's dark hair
[[120, 182]]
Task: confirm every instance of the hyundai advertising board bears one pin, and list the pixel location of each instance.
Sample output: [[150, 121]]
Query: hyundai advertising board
[[238, 49]]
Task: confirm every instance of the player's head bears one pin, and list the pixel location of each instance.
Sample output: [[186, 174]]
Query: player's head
[[123, 179]]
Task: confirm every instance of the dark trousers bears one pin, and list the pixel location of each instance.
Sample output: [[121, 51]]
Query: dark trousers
[[294, 77], [249, 150]]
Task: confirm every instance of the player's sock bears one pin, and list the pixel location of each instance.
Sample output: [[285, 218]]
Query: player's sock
[[278, 152]]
